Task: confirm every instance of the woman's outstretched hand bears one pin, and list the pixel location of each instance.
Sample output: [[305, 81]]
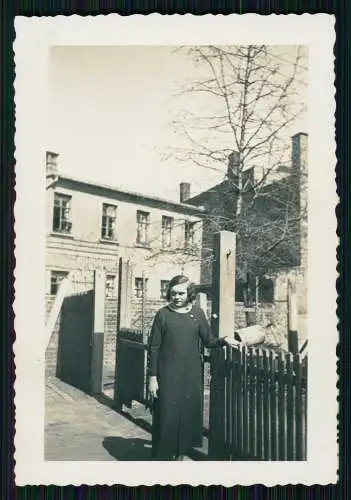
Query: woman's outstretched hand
[[231, 342], [153, 387]]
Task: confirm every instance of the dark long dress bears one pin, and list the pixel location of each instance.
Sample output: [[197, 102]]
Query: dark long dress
[[175, 359]]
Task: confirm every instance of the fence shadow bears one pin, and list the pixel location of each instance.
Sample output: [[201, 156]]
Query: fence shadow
[[122, 449]]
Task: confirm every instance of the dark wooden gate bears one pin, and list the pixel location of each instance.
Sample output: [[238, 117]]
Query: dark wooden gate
[[75, 340], [131, 368]]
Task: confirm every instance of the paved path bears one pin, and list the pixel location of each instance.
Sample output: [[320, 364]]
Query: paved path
[[79, 428]]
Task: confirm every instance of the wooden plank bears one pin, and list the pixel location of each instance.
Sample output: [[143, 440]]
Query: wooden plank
[[282, 406], [240, 402], [222, 324], [252, 402], [229, 409], [273, 405], [201, 301], [259, 406], [266, 408], [119, 372], [304, 409], [217, 406], [245, 403], [293, 342], [223, 284], [290, 408], [126, 269], [235, 387], [298, 410], [97, 360]]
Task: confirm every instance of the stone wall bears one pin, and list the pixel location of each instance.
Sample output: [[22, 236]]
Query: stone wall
[[111, 320]]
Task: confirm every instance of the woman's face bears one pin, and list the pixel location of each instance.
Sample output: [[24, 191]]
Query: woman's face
[[179, 295]]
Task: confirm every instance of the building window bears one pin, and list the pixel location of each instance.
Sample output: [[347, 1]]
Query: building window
[[110, 285], [108, 224], [167, 226], [189, 235], [55, 279], [62, 213], [143, 221], [141, 287], [164, 288]]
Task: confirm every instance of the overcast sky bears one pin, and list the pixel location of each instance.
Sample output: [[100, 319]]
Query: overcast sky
[[109, 117]]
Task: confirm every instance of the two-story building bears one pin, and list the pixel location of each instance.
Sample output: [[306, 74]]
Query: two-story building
[[90, 226]]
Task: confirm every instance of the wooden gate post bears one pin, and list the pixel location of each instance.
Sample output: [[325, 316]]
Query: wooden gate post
[[125, 293], [293, 341], [201, 301], [97, 358], [223, 325], [124, 320]]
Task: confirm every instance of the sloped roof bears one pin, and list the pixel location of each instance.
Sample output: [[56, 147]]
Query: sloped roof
[[76, 183]]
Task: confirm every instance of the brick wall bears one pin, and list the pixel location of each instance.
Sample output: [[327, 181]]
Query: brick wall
[[151, 306], [111, 308]]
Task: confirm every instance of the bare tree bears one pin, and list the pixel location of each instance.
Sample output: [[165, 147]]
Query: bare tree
[[252, 99]]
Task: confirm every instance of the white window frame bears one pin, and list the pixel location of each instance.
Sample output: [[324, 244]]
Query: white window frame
[[143, 223], [113, 220], [65, 220], [167, 231], [57, 273], [140, 287], [189, 242]]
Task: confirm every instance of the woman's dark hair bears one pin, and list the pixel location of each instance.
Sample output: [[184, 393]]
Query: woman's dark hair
[[179, 280]]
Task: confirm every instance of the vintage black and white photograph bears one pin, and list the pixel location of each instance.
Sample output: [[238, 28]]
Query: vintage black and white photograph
[[176, 253]]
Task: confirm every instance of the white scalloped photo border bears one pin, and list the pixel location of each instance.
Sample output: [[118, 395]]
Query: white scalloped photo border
[[34, 38]]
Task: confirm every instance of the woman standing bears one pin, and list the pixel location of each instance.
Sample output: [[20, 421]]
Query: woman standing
[[175, 371]]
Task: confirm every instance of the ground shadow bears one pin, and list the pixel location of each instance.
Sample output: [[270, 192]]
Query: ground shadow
[[122, 449]]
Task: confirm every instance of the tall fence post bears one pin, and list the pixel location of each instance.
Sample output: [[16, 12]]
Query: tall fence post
[[223, 325], [97, 358], [293, 341], [125, 293], [201, 301]]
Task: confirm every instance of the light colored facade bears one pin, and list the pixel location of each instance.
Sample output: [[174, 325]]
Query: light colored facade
[[92, 226]]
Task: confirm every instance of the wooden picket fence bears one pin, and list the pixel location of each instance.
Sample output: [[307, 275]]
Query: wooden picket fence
[[265, 405]]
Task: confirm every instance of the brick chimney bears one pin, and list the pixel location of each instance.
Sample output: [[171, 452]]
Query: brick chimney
[[299, 143], [299, 163], [51, 164], [184, 192]]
